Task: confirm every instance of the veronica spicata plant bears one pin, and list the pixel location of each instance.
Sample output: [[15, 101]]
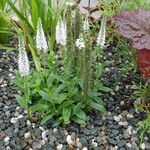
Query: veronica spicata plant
[[64, 89], [23, 65]]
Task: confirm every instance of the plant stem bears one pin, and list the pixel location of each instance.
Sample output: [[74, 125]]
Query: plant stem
[[27, 95]]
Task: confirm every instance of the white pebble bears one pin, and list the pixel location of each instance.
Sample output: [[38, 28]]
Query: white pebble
[[122, 103], [117, 88], [68, 139], [27, 135], [112, 93], [16, 114], [55, 130], [85, 148], [129, 130], [109, 54], [130, 116], [116, 118], [41, 128], [129, 145], [33, 125], [59, 147], [17, 108], [146, 138], [13, 120], [142, 146], [20, 116], [125, 123], [28, 123], [44, 134], [107, 69], [94, 144], [43, 142], [8, 148], [6, 139]]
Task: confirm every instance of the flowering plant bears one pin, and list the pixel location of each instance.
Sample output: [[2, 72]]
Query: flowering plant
[[66, 86]]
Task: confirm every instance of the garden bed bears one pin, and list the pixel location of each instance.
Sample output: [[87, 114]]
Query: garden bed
[[116, 130]]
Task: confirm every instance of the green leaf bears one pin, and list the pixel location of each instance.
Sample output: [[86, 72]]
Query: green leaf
[[79, 121], [21, 101], [19, 14], [44, 95], [59, 98], [77, 107], [97, 106], [66, 114], [60, 88], [95, 97], [46, 118], [65, 104], [106, 89], [81, 114], [57, 122], [39, 107], [34, 13]]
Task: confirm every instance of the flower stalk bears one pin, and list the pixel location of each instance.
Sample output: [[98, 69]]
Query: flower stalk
[[102, 33]]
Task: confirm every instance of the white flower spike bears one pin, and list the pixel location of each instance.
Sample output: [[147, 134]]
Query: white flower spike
[[23, 62], [102, 33], [86, 25], [41, 43], [61, 33], [80, 43]]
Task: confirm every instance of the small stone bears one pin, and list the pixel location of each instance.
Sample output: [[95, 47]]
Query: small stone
[[52, 138], [6, 139], [116, 118], [121, 143], [94, 144], [79, 145], [112, 141], [130, 116], [113, 148], [122, 103], [73, 136], [44, 134], [107, 70], [16, 114], [124, 123], [129, 145], [13, 120], [55, 130], [85, 148], [17, 108], [16, 131], [36, 145], [28, 123], [8, 148], [115, 132], [43, 142], [27, 135], [42, 128], [20, 116], [147, 145], [142, 146], [117, 88], [60, 147], [68, 139], [33, 125], [146, 138], [129, 130]]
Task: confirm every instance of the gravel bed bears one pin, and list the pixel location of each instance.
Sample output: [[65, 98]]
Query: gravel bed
[[114, 131]]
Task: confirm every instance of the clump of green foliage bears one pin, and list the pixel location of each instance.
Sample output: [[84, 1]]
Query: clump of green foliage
[[68, 88]]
